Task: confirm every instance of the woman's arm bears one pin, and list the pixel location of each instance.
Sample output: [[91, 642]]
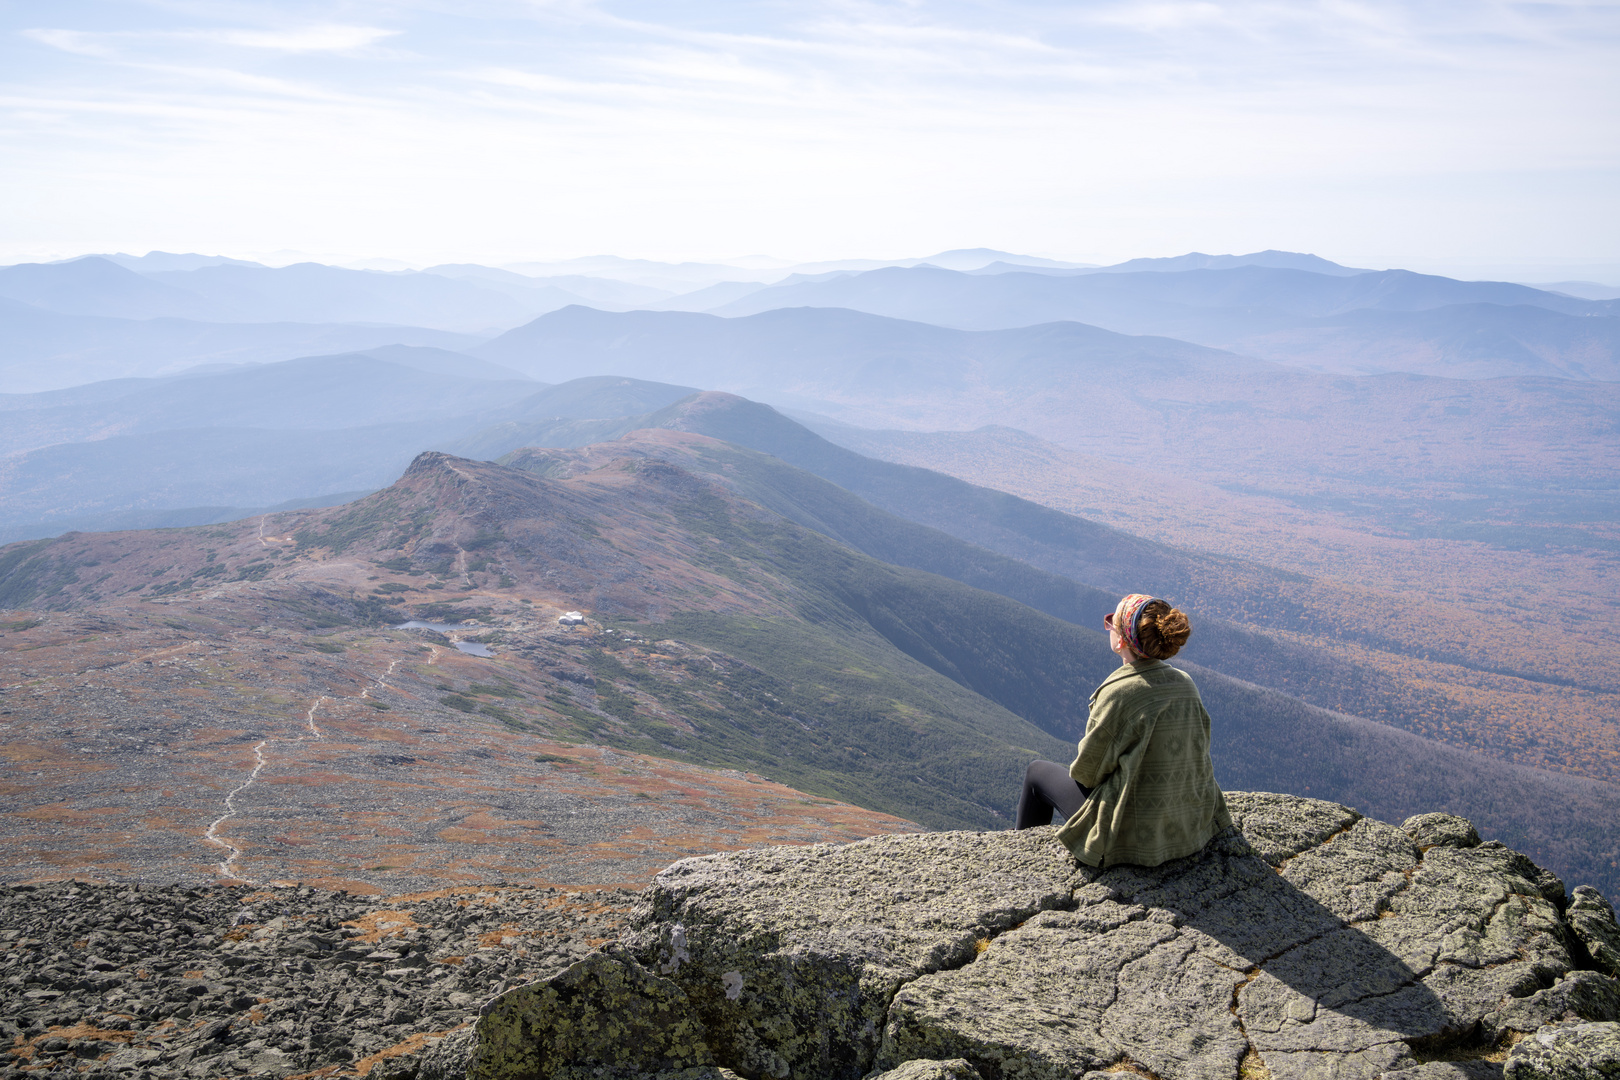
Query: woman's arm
[[1110, 735]]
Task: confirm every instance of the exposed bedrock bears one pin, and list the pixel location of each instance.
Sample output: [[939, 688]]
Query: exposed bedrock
[[1309, 941]]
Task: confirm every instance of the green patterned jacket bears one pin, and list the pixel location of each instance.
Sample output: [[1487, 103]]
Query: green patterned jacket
[[1146, 758]]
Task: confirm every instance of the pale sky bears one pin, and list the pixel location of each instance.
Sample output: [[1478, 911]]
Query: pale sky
[[1438, 135]]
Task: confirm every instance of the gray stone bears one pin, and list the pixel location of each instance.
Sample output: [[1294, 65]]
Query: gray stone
[[950, 1069], [607, 1010], [1033, 1004], [1318, 942], [1441, 830], [791, 955], [697, 1072], [1588, 995], [1450, 1070], [1579, 1051], [1591, 917], [1355, 873], [1281, 826], [450, 1057], [132, 1058]]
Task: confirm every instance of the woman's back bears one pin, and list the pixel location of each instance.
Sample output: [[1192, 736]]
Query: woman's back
[[1146, 759]]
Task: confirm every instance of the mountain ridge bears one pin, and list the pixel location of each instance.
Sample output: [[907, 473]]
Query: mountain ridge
[[838, 674]]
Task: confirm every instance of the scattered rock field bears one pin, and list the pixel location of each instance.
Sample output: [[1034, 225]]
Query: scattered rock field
[[170, 981]]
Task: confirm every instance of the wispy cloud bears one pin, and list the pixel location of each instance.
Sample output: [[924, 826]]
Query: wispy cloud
[[70, 41], [329, 37], [812, 126]]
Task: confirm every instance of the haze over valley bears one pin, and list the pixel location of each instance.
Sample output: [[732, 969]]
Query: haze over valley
[[850, 527]]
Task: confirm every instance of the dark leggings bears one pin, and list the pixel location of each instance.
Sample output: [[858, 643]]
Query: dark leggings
[[1048, 787]]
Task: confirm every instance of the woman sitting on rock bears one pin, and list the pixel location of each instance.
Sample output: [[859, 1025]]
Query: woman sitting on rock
[[1142, 788]]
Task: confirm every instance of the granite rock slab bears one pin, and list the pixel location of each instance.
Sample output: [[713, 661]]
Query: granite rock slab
[[1307, 941]]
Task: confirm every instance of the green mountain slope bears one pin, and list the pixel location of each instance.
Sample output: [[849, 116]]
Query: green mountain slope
[[1038, 665], [1316, 640]]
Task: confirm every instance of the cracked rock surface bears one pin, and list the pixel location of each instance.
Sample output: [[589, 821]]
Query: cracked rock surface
[[1306, 942]]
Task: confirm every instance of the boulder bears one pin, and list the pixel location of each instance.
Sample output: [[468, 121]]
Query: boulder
[[1573, 1051], [1441, 830], [1306, 939], [954, 1069], [1591, 917]]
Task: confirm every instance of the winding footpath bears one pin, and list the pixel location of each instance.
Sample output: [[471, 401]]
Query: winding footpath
[[211, 835]]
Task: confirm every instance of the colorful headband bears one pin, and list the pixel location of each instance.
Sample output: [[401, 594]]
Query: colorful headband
[[1128, 616]]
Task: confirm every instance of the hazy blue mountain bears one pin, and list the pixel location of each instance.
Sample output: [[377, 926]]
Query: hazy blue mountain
[[540, 295], [1225, 418], [444, 362], [206, 466], [96, 286], [671, 278], [183, 517], [1463, 341], [1197, 260], [321, 392], [815, 354], [165, 260], [711, 296], [599, 396], [1190, 304], [1585, 290], [314, 392], [311, 292], [46, 350], [689, 277], [576, 413], [582, 288], [1339, 322], [975, 258], [235, 291], [262, 435]]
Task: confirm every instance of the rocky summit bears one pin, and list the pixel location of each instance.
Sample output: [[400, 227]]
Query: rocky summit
[[1308, 941]]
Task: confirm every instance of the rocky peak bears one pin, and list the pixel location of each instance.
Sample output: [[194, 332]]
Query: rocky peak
[[1307, 941]]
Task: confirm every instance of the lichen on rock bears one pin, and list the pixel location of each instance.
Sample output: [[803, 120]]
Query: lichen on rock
[[953, 1069], [1591, 919], [607, 1010], [1576, 1051], [1314, 940]]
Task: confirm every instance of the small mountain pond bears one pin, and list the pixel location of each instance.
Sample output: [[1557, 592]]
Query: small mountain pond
[[476, 648]]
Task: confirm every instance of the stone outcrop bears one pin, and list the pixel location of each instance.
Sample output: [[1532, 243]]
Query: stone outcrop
[[1306, 942], [1573, 1051]]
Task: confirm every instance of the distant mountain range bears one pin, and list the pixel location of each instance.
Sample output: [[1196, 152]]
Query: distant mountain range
[[1356, 322], [757, 633], [48, 350], [1215, 414], [463, 297], [111, 316], [90, 456]]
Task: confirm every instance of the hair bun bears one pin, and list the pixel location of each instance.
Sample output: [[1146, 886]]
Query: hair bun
[[1163, 630]]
